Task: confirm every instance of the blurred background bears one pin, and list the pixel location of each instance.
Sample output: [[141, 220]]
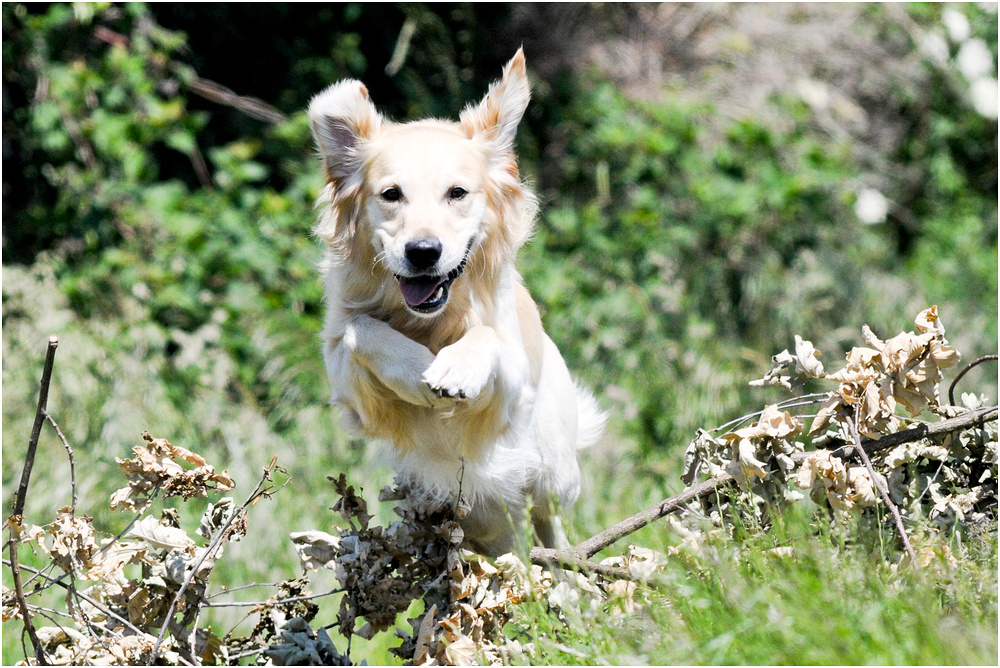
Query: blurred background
[[714, 180]]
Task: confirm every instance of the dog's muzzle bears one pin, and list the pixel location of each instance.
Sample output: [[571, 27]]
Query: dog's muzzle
[[427, 295]]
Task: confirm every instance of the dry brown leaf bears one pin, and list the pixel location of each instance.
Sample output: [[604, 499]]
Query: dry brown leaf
[[161, 537], [316, 549], [70, 542], [116, 558], [806, 358]]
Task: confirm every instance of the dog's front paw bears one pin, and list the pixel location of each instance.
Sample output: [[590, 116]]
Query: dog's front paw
[[457, 374]]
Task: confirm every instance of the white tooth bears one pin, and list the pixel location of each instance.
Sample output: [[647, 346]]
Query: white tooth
[[439, 292]]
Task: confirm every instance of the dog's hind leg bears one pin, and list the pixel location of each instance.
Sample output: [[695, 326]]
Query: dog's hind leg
[[549, 531]]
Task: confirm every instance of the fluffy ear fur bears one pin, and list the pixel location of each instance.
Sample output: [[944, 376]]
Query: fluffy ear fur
[[341, 117], [497, 116]]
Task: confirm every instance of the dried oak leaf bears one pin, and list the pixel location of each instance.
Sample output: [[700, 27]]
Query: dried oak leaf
[[157, 465], [788, 370], [350, 505], [160, 536], [114, 559], [845, 488], [771, 436], [70, 542], [316, 549]]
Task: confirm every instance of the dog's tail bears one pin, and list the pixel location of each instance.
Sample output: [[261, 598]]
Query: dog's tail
[[591, 419]]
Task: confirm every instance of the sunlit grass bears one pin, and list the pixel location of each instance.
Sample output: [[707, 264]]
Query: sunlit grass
[[739, 603]]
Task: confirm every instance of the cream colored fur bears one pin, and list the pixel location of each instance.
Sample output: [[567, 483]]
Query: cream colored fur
[[473, 395]]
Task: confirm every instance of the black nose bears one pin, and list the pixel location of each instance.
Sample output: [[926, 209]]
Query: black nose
[[423, 253]]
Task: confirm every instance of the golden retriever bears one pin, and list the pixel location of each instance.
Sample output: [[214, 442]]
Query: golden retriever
[[431, 341]]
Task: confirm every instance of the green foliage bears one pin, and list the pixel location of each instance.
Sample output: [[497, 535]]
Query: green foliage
[[670, 258], [166, 239]]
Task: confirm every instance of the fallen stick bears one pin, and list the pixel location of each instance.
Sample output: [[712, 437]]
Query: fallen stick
[[574, 558]]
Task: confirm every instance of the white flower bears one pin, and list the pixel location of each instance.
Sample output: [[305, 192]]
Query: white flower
[[935, 47], [984, 96], [975, 60], [871, 207], [957, 25], [814, 93]]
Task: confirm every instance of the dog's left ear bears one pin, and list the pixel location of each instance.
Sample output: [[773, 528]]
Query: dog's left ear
[[497, 116]]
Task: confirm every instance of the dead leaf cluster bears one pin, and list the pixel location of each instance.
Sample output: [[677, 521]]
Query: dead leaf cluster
[[467, 599], [904, 370], [951, 480], [829, 478], [947, 480], [113, 615], [65, 646], [283, 630], [159, 465]]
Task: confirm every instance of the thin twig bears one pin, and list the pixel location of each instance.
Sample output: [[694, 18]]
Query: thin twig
[[51, 611], [201, 168], [21, 494], [967, 369], [880, 485], [543, 556], [229, 590], [213, 546], [249, 652], [803, 400], [269, 603], [72, 462]]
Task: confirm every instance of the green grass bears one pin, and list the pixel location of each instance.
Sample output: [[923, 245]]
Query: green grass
[[736, 603]]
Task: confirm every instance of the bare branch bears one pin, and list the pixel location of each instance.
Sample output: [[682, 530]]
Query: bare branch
[[543, 556], [269, 603], [971, 365], [251, 106], [880, 485], [72, 462], [963, 421], [21, 494], [595, 544], [36, 429]]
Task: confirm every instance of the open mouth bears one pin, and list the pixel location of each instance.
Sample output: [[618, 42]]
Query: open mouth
[[429, 294]]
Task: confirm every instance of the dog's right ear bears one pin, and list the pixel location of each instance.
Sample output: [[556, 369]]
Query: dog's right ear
[[341, 118]]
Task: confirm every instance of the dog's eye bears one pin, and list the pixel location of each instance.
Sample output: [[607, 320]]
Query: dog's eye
[[458, 192], [391, 194]]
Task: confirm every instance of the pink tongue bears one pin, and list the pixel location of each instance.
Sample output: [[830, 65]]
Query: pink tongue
[[418, 289]]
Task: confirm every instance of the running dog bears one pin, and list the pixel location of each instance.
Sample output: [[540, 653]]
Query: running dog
[[431, 341]]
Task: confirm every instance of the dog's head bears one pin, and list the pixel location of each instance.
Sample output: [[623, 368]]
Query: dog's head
[[422, 199]]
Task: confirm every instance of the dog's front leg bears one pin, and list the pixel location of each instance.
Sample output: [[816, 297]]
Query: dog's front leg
[[397, 361], [468, 367]]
